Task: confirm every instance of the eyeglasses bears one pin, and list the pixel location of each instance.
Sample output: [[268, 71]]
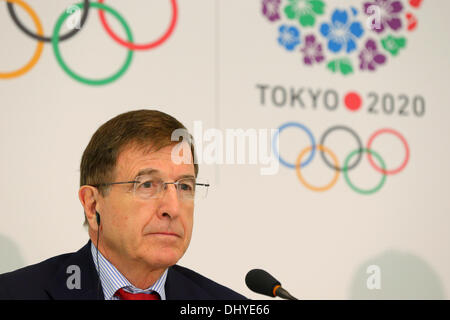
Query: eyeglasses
[[152, 187]]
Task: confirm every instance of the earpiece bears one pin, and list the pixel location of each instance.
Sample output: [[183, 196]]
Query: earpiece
[[97, 215]]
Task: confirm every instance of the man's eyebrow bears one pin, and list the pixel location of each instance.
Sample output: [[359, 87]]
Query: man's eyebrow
[[147, 171], [185, 176], [155, 171]]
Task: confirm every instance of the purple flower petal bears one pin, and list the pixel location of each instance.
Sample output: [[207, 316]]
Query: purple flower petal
[[380, 58], [367, 5], [371, 45], [310, 40], [381, 3], [363, 64], [380, 27], [320, 58], [270, 9], [396, 7], [371, 66], [394, 23], [275, 17], [308, 60]]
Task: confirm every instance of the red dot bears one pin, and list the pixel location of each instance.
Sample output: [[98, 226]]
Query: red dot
[[353, 101]]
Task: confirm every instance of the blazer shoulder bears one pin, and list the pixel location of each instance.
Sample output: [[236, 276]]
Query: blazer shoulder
[[209, 289], [30, 281]]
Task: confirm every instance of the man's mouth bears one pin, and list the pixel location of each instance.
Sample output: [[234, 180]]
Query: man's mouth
[[165, 234]]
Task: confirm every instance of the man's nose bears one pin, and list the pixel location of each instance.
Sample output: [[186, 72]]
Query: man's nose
[[170, 204]]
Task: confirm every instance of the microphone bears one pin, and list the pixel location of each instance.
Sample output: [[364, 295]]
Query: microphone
[[262, 282]]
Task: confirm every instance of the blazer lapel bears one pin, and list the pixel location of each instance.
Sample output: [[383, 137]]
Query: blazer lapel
[[180, 287], [78, 264]]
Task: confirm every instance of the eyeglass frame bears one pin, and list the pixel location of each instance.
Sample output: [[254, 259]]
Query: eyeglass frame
[[176, 183]]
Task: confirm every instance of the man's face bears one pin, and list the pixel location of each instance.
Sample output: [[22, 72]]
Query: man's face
[[154, 231]]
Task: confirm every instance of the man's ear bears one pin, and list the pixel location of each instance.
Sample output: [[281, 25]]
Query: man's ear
[[88, 196]]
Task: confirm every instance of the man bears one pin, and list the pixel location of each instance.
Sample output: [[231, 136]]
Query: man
[[138, 200]]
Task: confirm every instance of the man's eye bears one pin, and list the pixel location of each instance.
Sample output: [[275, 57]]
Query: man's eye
[[147, 185], [186, 187]]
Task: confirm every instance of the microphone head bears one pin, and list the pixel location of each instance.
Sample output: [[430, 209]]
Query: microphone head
[[261, 282]]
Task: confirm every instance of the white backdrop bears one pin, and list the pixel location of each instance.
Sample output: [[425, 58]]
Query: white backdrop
[[318, 244]]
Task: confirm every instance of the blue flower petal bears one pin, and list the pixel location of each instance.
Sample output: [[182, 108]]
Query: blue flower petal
[[351, 45], [294, 31], [334, 45], [356, 29], [325, 29], [291, 46], [339, 17], [280, 41], [289, 37]]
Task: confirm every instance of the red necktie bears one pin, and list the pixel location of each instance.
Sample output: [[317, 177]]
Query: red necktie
[[123, 295]]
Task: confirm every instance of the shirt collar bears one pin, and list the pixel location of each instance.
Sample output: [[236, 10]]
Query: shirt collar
[[112, 280]]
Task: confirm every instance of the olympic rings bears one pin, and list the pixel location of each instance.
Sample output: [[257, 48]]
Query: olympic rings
[[335, 166], [39, 47], [70, 72], [405, 143], [70, 34], [275, 146], [362, 191], [147, 46], [56, 38], [353, 133]]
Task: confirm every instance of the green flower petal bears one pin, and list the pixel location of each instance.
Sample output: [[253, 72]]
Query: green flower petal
[[390, 45], [393, 45], [307, 20], [317, 6], [401, 42], [333, 66], [290, 11], [346, 66]]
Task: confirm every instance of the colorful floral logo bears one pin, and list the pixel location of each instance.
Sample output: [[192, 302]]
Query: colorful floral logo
[[344, 40]]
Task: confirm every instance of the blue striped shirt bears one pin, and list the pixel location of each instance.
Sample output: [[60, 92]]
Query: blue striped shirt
[[112, 280]]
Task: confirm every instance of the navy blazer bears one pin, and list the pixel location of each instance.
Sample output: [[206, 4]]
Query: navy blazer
[[48, 280]]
